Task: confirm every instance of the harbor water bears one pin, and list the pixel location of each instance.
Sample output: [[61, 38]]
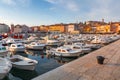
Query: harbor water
[[45, 64]]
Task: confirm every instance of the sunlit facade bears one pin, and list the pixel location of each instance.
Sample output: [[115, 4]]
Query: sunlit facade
[[103, 29], [57, 28], [43, 28]]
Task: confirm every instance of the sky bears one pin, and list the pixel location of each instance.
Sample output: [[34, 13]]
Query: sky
[[47, 12]]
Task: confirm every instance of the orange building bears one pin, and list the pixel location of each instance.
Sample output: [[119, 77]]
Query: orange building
[[115, 27], [87, 28], [103, 29], [43, 28], [57, 28]]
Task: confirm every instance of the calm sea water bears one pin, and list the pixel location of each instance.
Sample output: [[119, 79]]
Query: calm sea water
[[45, 64]]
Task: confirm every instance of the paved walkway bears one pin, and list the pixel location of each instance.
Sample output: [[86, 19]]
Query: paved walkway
[[86, 67]]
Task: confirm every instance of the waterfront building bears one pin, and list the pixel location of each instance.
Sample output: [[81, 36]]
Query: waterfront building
[[72, 28], [57, 28], [35, 29], [4, 28], [115, 27], [43, 28], [81, 27], [87, 28], [103, 29], [19, 28]]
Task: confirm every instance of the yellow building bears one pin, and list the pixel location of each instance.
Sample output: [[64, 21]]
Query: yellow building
[[43, 28], [103, 29], [57, 28]]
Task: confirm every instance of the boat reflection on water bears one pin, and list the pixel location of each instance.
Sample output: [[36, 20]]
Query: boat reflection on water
[[35, 53], [63, 60], [23, 74], [20, 53]]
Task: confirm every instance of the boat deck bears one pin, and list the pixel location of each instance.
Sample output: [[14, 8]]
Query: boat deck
[[87, 68]]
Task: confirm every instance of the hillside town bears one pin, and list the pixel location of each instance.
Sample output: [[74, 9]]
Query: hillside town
[[72, 28]]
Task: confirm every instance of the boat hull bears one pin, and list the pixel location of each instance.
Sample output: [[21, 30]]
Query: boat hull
[[53, 44], [86, 50], [4, 53], [67, 54], [24, 67], [35, 47], [17, 49]]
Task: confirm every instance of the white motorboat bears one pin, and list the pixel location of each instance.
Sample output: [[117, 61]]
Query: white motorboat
[[65, 52], [84, 48], [3, 50], [101, 39], [17, 47], [21, 62], [10, 40], [85, 45], [35, 46], [5, 67], [31, 39], [96, 40], [51, 42], [94, 46]]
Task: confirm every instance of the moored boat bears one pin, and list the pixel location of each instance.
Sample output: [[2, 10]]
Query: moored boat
[[3, 51], [24, 63], [64, 52], [5, 67], [35, 46], [17, 47]]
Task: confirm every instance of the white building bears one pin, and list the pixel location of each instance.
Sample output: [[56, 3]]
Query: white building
[[71, 28]]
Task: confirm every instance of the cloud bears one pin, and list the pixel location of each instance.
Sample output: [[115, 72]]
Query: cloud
[[9, 2], [69, 5], [15, 2], [101, 9], [72, 6], [52, 1], [88, 9]]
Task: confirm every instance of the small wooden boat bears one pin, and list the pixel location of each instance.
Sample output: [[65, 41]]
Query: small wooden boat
[[21, 62]]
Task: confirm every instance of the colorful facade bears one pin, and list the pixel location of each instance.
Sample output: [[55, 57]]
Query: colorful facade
[[72, 28], [87, 29], [103, 29], [43, 28], [19, 29], [57, 28], [115, 27]]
